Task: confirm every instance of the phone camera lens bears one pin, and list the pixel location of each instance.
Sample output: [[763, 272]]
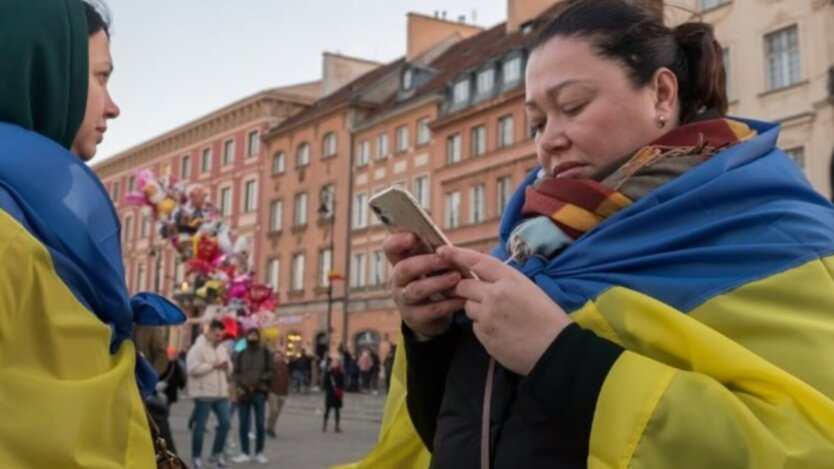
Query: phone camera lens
[[384, 219], [376, 210]]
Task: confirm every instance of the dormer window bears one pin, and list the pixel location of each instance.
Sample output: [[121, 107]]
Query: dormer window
[[486, 81], [408, 79], [460, 92], [512, 70]]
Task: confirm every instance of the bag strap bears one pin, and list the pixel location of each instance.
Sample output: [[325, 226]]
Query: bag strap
[[485, 416], [164, 457]]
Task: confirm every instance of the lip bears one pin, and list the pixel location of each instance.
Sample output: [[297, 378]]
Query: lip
[[567, 169]]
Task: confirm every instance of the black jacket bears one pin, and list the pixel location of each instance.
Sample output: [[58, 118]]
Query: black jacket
[[539, 421]]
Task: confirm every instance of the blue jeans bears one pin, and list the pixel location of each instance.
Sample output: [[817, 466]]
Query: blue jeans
[[258, 401], [202, 407]]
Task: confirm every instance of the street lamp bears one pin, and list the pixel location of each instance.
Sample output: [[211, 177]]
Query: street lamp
[[325, 211]]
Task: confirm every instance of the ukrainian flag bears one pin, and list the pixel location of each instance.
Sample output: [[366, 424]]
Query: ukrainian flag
[[720, 287]]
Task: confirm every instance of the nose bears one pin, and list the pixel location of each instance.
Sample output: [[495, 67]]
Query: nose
[[552, 139], [111, 109]]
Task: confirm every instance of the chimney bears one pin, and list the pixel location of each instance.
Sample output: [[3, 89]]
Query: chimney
[[522, 11], [425, 32], [338, 71]]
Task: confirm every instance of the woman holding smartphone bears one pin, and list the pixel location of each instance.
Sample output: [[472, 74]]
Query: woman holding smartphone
[[662, 295]]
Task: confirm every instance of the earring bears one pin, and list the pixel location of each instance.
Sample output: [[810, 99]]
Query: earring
[[661, 121]]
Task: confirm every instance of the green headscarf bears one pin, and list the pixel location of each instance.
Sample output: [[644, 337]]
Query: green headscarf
[[43, 66]]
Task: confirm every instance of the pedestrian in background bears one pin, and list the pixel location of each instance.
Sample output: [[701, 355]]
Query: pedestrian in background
[[254, 368], [334, 393], [209, 365], [279, 389]]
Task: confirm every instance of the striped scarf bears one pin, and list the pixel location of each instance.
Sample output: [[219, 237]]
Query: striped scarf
[[558, 211]]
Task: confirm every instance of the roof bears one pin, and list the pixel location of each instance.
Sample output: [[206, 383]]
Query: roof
[[350, 93], [470, 54]]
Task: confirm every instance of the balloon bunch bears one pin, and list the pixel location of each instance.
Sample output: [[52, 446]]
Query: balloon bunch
[[217, 270]]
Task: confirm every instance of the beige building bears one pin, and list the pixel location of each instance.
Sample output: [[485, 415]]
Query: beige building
[[780, 61]]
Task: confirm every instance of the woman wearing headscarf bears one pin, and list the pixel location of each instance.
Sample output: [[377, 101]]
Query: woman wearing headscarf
[[70, 378]]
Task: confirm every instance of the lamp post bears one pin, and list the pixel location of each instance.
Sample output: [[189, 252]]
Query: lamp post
[[324, 211]]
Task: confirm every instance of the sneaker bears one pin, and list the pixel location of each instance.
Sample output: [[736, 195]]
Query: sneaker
[[217, 461], [271, 434], [261, 459], [197, 463], [241, 458]]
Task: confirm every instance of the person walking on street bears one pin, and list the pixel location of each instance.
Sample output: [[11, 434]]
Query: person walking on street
[[334, 392], [365, 364], [279, 389], [254, 369], [209, 365]]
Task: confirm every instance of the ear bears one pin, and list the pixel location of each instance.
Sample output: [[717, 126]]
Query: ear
[[665, 89]]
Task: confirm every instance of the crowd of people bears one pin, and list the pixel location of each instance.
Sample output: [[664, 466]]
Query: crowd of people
[[253, 383]]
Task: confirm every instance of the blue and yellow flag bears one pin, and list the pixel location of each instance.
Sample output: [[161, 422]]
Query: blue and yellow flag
[[69, 374], [719, 286]]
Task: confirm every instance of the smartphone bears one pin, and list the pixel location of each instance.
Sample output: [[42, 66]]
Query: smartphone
[[397, 209]]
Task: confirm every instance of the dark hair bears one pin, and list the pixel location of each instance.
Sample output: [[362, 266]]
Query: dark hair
[[98, 17], [635, 36], [217, 324]]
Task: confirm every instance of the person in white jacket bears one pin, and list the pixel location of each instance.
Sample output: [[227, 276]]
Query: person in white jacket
[[209, 368]]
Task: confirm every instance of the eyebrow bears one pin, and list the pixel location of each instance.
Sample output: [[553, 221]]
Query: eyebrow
[[554, 90]]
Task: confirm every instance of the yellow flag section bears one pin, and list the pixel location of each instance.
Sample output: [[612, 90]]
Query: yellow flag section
[[743, 381], [398, 446], [66, 402]]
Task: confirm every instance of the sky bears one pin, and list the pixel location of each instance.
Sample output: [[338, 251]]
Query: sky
[[177, 60]]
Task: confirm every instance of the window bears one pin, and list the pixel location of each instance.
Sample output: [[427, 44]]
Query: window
[[329, 145], [144, 227], [228, 152], [131, 183], [273, 274], [276, 215], [710, 4], [477, 143], [140, 277], [326, 197], [253, 144], [453, 149], [797, 154], [402, 138], [357, 270], [166, 169], [360, 211], [226, 201], [421, 190], [512, 70], [377, 268], [503, 188], [300, 209], [116, 193], [782, 48], [382, 146], [325, 264], [185, 168], [363, 153], [250, 196], [505, 131], [205, 161], [408, 79], [486, 81], [477, 204], [453, 209], [127, 229], [297, 278], [423, 131], [460, 92], [279, 163], [302, 155]]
